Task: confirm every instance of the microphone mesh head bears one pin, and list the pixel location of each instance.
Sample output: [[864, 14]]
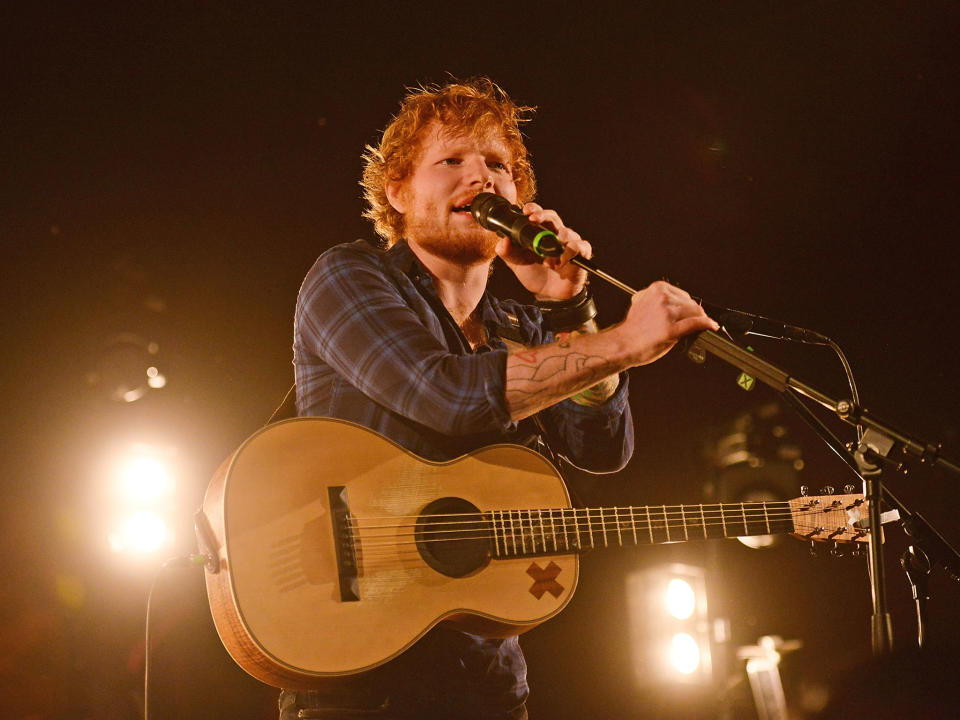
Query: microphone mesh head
[[483, 204]]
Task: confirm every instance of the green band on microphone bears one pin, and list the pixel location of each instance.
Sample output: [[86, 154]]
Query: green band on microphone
[[537, 238]]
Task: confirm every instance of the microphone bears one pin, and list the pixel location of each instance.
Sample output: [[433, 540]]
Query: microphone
[[498, 214], [749, 324]]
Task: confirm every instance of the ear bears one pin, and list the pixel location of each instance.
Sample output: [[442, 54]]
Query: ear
[[396, 195]]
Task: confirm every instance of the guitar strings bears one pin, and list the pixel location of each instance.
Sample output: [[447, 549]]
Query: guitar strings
[[542, 536], [682, 510], [546, 521], [553, 530], [545, 515], [429, 525], [539, 524], [526, 533]]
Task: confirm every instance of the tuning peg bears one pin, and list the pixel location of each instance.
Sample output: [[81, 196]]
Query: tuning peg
[[813, 548], [826, 490], [835, 549], [804, 490], [849, 489]]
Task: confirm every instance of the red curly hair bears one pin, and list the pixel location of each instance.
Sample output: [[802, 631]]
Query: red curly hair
[[475, 107]]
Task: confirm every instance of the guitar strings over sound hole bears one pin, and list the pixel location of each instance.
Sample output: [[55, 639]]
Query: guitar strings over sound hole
[[454, 537]]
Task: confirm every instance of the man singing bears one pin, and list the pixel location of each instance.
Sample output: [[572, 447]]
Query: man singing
[[407, 341]]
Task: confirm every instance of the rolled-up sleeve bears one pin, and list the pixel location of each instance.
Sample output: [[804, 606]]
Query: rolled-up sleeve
[[597, 438]]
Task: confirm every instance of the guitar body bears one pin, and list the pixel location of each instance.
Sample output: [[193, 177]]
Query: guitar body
[[279, 598]]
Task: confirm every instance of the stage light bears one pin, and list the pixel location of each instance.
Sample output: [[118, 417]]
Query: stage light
[[145, 478], [680, 598], [142, 532], [142, 498], [684, 653], [669, 629]]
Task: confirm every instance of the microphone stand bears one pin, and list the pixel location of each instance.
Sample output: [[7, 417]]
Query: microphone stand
[[863, 458]]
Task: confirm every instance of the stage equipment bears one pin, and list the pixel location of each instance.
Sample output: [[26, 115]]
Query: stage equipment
[[763, 673], [669, 630], [756, 460], [142, 499], [876, 439]]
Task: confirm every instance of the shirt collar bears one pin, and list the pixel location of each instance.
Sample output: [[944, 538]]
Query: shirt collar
[[493, 317], [401, 257]]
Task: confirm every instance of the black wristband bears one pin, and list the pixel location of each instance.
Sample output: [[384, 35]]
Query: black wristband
[[566, 315]]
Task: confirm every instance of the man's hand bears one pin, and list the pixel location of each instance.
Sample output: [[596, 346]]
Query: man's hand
[[548, 278], [659, 316]]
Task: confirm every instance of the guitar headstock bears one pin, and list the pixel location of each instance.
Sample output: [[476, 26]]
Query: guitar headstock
[[830, 518]]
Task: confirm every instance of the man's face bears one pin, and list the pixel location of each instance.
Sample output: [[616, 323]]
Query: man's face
[[449, 172]]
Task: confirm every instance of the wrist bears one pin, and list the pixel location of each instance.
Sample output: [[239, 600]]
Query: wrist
[[570, 314], [617, 340]]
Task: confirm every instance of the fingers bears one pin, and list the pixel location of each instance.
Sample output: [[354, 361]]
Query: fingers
[[573, 244], [682, 314], [694, 324]]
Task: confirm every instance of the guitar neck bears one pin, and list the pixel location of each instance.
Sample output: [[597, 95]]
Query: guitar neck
[[569, 530]]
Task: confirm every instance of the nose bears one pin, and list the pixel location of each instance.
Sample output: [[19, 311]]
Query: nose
[[480, 173]]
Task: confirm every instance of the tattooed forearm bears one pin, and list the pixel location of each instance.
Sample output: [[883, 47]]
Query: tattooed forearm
[[603, 390], [539, 378], [574, 366]]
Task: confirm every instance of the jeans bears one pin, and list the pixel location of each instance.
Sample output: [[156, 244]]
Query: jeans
[[308, 705]]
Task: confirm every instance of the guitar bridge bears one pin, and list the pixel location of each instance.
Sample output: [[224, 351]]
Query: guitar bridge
[[343, 543]]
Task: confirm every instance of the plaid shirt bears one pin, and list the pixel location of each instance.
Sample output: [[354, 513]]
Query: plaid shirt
[[373, 344]]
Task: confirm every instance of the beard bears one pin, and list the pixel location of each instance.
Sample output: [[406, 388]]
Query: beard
[[471, 245]]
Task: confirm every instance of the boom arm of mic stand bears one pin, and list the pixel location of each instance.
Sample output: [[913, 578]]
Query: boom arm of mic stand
[[769, 374], [779, 380]]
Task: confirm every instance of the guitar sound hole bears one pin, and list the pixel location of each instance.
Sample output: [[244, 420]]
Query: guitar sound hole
[[453, 537]]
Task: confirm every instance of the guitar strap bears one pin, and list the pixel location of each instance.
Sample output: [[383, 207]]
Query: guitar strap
[[542, 446], [287, 407]]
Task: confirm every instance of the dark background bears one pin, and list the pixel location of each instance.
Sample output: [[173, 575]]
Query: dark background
[[173, 171]]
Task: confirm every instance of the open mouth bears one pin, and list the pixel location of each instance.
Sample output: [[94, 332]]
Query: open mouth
[[465, 208]]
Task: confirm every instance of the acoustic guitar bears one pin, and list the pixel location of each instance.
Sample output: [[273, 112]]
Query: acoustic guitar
[[332, 549]]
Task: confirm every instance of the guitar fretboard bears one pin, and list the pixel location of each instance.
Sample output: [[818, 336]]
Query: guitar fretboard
[[551, 531]]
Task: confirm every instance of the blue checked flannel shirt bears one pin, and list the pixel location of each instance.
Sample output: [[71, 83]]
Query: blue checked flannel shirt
[[373, 344]]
